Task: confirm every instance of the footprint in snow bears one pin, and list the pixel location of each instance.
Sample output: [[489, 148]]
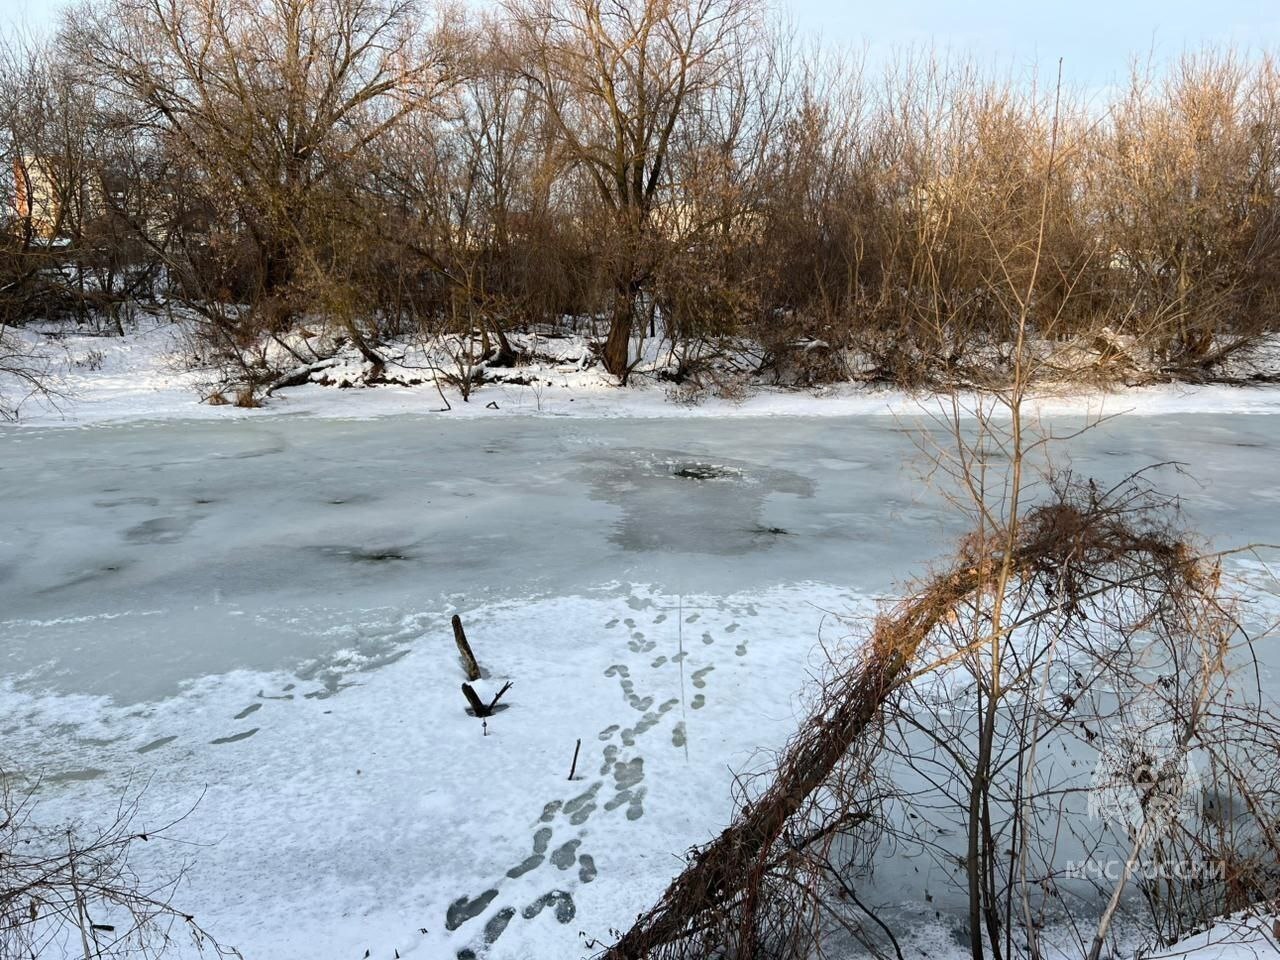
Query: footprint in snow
[[566, 855], [156, 744], [560, 900], [580, 808], [628, 773], [498, 924], [639, 644], [466, 908], [635, 809], [235, 737], [524, 866], [633, 799], [541, 840], [648, 721], [610, 755]]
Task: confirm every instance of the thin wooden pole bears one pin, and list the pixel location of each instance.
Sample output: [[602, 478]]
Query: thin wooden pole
[[573, 767]]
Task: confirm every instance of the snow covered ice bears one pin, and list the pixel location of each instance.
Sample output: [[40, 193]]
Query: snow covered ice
[[252, 617]]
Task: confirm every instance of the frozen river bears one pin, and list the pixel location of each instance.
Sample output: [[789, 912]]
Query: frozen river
[[259, 611], [164, 536]]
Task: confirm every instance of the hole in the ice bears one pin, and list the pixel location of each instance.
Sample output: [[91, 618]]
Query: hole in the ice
[[349, 498], [770, 531], [368, 554], [704, 471]]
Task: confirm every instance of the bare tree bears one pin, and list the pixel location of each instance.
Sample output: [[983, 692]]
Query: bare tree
[[619, 82], [268, 104]]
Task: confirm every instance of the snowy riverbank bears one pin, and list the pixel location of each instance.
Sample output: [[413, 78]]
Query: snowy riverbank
[[144, 375]]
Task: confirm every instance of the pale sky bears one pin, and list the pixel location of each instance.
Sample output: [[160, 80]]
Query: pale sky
[[1096, 38]]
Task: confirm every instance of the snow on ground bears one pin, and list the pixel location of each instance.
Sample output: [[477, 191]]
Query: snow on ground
[[384, 819], [144, 376], [1239, 937]]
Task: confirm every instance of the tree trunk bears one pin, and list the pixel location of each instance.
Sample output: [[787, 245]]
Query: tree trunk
[[617, 346]]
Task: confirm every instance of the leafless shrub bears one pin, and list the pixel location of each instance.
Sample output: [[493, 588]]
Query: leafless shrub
[[70, 890], [1183, 188], [26, 371]]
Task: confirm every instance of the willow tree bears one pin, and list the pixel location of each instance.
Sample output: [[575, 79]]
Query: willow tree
[[619, 80]]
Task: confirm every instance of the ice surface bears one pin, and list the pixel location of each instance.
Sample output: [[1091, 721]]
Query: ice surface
[[259, 611]]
